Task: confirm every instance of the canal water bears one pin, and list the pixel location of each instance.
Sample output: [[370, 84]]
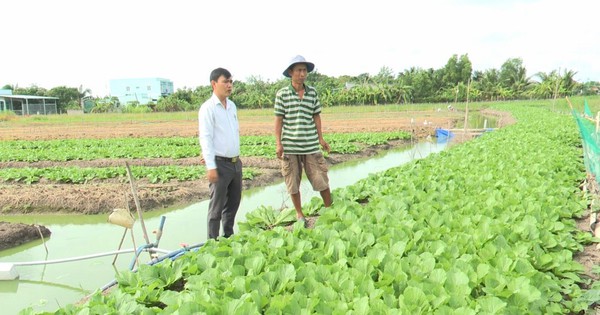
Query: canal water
[[51, 286]]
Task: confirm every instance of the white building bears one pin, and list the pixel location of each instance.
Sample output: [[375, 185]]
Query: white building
[[142, 90]]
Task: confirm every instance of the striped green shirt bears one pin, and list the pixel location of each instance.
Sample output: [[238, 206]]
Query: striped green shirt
[[299, 134]]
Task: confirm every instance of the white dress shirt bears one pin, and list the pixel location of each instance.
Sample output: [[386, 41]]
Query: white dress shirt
[[219, 130]]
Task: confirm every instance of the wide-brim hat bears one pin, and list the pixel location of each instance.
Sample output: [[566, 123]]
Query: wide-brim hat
[[298, 59]]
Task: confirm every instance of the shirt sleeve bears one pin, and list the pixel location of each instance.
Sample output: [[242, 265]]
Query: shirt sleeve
[[205, 133], [279, 108], [317, 103]]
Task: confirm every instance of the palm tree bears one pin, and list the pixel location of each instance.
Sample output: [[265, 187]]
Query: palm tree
[[82, 94], [568, 82], [513, 76], [548, 85]]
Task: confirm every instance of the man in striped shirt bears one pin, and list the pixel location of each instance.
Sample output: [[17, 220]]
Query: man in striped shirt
[[298, 135]]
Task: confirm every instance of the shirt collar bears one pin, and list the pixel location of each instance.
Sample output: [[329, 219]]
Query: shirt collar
[[294, 90], [217, 101]]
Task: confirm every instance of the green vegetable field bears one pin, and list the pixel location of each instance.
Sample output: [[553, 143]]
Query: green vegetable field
[[485, 227]]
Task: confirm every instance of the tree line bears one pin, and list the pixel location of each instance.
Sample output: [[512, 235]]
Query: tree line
[[455, 82]]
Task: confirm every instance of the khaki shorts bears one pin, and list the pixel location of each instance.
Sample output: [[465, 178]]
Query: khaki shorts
[[315, 168]]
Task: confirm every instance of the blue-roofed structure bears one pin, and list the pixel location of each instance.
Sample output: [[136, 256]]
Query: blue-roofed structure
[[27, 104]]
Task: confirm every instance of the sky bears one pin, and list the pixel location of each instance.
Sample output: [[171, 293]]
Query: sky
[[87, 43]]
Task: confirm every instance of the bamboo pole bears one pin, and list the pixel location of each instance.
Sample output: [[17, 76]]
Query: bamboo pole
[[569, 102], [467, 109], [124, 234], [42, 236], [120, 244], [556, 91], [137, 203]]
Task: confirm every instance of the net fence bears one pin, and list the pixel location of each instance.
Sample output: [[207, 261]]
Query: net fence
[[590, 136]]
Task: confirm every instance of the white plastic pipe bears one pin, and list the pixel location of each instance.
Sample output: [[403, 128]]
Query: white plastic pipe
[[56, 261], [8, 271]]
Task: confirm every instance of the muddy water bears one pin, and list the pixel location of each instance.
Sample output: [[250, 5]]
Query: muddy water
[[50, 286]]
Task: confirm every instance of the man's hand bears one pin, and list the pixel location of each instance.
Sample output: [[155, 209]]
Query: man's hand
[[325, 145], [212, 175], [279, 151]]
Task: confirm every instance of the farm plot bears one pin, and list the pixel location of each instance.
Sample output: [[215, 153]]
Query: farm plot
[[50, 167], [487, 227]]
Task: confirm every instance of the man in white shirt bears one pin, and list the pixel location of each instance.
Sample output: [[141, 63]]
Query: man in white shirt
[[219, 134]]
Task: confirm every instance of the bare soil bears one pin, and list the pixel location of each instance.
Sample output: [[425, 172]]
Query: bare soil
[[101, 196], [15, 234]]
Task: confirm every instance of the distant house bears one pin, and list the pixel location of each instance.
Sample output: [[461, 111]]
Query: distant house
[[27, 104], [143, 90]]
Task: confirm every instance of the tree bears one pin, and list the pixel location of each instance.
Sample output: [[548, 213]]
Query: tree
[[488, 84], [554, 85], [106, 104], [171, 103], [590, 88], [457, 70], [82, 93], [32, 90], [570, 86], [513, 77], [68, 98], [363, 78], [423, 84], [385, 76]]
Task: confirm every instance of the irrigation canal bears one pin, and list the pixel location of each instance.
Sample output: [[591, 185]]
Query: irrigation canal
[[47, 287]]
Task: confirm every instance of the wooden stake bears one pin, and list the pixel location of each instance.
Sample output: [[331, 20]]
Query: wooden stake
[[120, 244], [467, 108], [125, 232], [556, 90], [569, 101], [137, 203], [42, 236], [135, 246]]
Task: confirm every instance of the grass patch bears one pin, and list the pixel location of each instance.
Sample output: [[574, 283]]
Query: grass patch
[[7, 116]]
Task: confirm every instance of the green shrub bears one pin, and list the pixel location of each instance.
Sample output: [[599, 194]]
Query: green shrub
[[136, 109], [7, 115]]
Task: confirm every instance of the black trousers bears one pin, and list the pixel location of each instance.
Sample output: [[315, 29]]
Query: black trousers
[[225, 197]]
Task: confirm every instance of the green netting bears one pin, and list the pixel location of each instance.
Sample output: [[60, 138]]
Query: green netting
[[586, 109], [591, 143]]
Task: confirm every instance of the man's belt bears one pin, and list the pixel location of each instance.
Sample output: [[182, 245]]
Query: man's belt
[[227, 159]]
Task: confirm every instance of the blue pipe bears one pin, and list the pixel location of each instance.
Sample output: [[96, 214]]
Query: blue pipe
[[172, 255], [160, 229], [151, 245]]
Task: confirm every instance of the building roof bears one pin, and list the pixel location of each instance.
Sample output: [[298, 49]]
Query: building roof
[[29, 97]]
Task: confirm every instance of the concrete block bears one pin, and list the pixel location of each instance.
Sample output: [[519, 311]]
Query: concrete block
[[8, 271]]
